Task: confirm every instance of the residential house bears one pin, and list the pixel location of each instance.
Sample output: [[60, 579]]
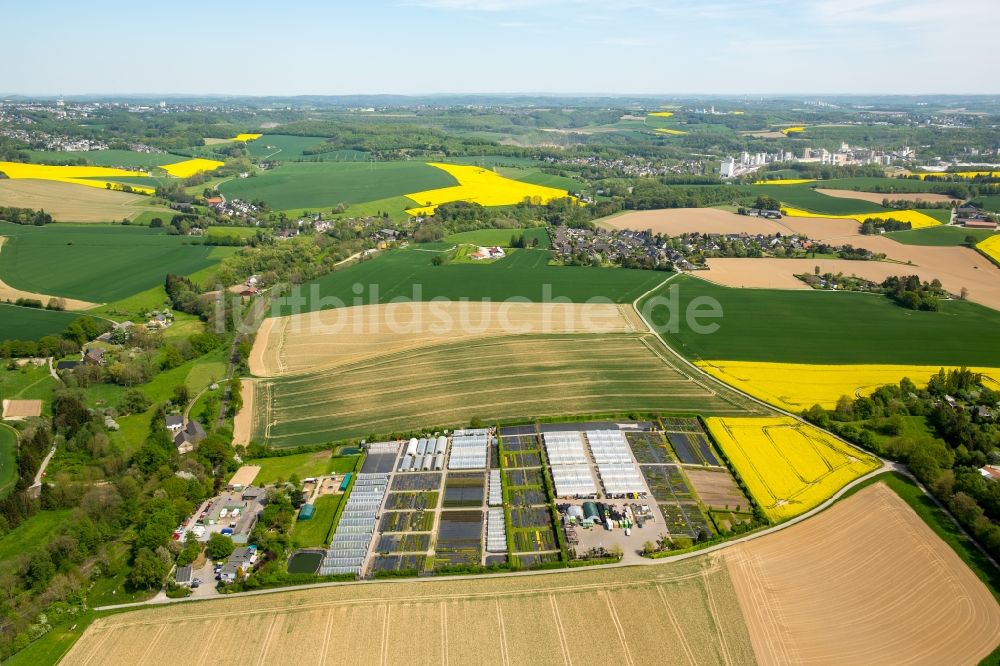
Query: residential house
[[186, 439], [94, 355], [175, 423]]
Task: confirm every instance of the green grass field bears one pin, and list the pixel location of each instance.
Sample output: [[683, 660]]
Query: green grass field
[[29, 535], [832, 327], [491, 378], [302, 464], [872, 184], [284, 148], [500, 237], [988, 203], [803, 196], [17, 323], [325, 184], [98, 263], [538, 177], [242, 232], [525, 274], [8, 459], [29, 382], [943, 236], [316, 530], [108, 158]]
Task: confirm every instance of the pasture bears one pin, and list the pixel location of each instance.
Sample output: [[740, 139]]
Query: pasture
[[96, 263], [869, 328], [870, 556], [493, 378], [651, 615], [121, 159], [525, 274], [285, 148], [316, 530], [501, 237], [888, 187], [789, 467], [297, 185], [8, 459], [19, 323], [798, 386], [304, 465], [942, 236], [68, 202]]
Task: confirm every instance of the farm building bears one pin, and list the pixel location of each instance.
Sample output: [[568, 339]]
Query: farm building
[[307, 511], [349, 546], [468, 451], [590, 513], [573, 480], [564, 448], [183, 576], [243, 477]]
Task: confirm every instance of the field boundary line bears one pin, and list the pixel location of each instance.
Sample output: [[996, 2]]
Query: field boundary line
[[266, 643], [713, 609], [504, 656], [385, 635], [676, 625], [326, 635], [149, 646], [559, 629], [618, 628], [203, 659], [444, 631]]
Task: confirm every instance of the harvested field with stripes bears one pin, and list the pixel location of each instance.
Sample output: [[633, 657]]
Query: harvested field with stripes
[[866, 581], [331, 338], [682, 612], [521, 376]]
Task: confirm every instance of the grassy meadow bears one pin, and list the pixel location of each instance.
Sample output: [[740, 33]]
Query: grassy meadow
[[832, 327], [96, 263], [18, 323], [806, 198], [316, 530], [285, 148], [525, 274], [500, 237], [8, 459], [295, 185], [106, 158], [943, 236]]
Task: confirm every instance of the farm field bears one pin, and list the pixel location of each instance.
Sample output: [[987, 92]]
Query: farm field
[[653, 613], [480, 186], [991, 247], [8, 459], [773, 273], [943, 236], [304, 465], [988, 203], [297, 185], [797, 386], [490, 378], [329, 338], [676, 221], [500, 237], [524, 274], [285, 148], [893, 186], [917, 219], [788, 466], [121, 159], [69, 202], [188, 168], [8, 293], [91, 176], [879, 197], [804, 197], [19, 323], [90, 262], [869, 330], [865, 581]]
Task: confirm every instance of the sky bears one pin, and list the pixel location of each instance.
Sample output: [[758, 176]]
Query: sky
[[658, 47]]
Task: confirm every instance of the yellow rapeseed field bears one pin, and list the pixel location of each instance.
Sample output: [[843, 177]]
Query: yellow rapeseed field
[[246, 137], [188, 168], [480, 186], [958, 174], [793, 130], [991, 246], [78, 175], [789, 467], [917, 219], [785, 181], [661, 114], [674, 132], [798, 386]]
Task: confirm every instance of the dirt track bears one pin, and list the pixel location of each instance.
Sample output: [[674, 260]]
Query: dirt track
[[866, 581], [330, 338], [878, 197], [9, 293], [243, 422]]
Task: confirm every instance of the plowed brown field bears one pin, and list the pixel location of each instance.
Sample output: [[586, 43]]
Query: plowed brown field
[[878, 197], [866, 581]]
